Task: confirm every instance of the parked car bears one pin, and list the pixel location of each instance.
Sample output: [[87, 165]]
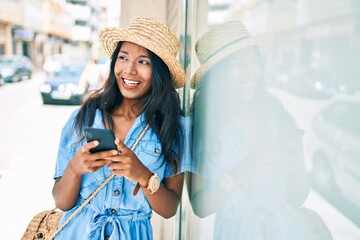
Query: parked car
[[63, 87], [335, 148], [15, 68]]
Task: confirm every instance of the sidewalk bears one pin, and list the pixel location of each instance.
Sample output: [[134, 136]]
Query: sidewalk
[[24, 192]]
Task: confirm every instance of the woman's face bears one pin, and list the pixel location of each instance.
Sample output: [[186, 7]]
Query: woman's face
[[239, 74], [245, 72], [133, 71]]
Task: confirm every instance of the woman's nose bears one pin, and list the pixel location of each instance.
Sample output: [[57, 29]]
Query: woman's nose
[[131, 68]]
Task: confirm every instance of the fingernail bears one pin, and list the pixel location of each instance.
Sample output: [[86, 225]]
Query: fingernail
[[96, 143], [115, 152]]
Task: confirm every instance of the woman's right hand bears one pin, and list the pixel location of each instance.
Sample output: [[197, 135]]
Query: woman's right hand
[[86, 162], [66, 188]]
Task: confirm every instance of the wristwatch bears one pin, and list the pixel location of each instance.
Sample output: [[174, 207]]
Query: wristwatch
[[226, 183], [153, 184]]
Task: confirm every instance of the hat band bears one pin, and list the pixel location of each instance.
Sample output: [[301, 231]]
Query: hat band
[[225, 46]]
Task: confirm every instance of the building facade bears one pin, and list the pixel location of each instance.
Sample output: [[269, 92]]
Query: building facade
[[38, 28]]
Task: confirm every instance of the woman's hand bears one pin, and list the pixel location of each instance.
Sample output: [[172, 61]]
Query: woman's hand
[[66, 189], [127, 164], [86, 162]]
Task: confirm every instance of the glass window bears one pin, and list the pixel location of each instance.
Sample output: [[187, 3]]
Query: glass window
[[258, 73], [352, 119], [336, 114]]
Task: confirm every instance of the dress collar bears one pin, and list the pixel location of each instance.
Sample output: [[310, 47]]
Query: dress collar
[[139, 123]]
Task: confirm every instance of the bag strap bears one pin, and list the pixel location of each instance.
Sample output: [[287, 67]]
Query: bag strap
[[102, 185]]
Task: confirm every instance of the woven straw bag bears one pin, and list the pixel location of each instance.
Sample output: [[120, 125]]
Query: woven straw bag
[[45, 225]]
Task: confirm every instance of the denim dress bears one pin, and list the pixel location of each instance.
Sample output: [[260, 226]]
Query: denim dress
[[114, 213], [252, 212]]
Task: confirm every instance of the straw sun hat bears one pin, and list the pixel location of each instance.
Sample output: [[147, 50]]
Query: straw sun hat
[[223, 40], [152, 35]]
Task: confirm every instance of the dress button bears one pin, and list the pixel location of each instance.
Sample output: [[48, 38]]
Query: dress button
[[157, 151], [113, 211], [116, 192], [39, 235]]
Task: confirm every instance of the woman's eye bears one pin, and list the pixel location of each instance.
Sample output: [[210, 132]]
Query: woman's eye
[[123, 58], [144, 62]]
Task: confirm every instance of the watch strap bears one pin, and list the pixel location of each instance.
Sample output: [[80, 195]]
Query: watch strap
[[138, 185]]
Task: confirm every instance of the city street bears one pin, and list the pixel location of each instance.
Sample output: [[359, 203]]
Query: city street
[[29, 138]]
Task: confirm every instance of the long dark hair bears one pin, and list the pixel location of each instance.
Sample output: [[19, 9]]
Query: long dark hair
[[161, 107]]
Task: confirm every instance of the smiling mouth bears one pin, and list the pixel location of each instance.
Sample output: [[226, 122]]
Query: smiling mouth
[[130, 83], [248, 83]]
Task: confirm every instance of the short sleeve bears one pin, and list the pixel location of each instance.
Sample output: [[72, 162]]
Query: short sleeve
[[66, 146], [184, 160]]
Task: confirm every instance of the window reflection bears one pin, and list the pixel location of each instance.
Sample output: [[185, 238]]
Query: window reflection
[[246, 147], [311, 71]]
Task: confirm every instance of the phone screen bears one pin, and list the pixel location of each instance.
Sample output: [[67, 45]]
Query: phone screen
[[105, 137]]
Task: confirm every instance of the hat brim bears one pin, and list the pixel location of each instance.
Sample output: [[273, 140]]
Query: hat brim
[[109, 38], [261, 41]]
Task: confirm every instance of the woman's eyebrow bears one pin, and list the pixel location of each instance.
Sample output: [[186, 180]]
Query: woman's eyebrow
[[141, 56]]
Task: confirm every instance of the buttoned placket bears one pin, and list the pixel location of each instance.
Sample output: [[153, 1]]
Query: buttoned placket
[[116, 194], [117, 183]]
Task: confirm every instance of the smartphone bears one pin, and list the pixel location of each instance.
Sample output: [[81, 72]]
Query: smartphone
[[105, 137]]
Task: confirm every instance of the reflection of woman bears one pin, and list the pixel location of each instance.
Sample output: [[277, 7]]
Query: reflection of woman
[[140, 89], [247, 148]]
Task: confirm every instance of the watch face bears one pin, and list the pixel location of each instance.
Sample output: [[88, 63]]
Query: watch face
[[154, 183], [226, 183]]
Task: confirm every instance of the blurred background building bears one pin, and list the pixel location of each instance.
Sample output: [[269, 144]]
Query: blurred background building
[[38, 28]]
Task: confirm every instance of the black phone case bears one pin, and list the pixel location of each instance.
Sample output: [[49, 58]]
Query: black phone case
[[105, 137]]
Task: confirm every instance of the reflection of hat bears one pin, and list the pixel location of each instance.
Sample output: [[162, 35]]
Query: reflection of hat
[[152, 35], [223, 40]]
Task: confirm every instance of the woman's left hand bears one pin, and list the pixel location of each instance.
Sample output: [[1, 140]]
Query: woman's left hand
[[127, 164]]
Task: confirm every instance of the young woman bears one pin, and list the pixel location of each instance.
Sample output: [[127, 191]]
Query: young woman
[[140, 90], [246, 146]]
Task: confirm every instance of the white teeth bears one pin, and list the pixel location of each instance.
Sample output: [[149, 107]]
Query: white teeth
[[131, 83]]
